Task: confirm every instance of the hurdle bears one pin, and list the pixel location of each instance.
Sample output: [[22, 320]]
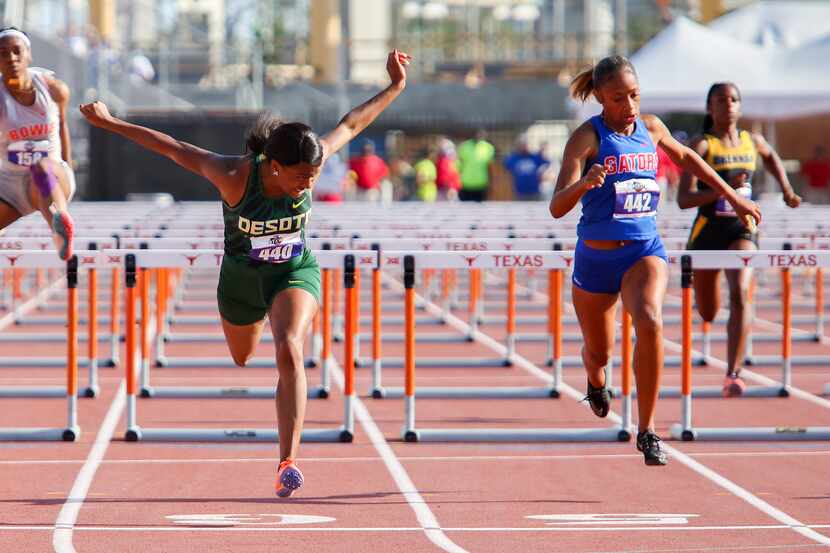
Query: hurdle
[[412, 433], [394, 259], [328, 260], [710, 260], [71, 431], [173, 258], [46, 259], [376, 319], [166, 319], [706, 338], [43, 244], [685, 430], [167, 336], [91, 363], [377, 390], [796, 335], [13, 279], [434, 261]]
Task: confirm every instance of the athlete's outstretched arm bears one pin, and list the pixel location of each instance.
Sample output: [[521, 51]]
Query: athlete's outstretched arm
[[60, 94], [688, 194], [689, 160], [360, 117], [772, 163], [218, 169], [570, 184]]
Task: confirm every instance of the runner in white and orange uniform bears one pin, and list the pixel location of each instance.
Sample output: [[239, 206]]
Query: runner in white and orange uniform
[[35, 153]]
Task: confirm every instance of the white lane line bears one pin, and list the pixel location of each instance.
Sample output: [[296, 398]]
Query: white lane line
[[465, 458], [429, 524], [62, 538], [31, 303], [335, 529], [695, 466]]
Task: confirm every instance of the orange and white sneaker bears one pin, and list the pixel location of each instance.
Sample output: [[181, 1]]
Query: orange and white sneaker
[[63, 229], [733, 385], [289, 478]]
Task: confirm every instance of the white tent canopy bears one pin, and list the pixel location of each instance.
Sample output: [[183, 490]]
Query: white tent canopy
[[807, 66], [778, 24], [799, 80], [677, 67]]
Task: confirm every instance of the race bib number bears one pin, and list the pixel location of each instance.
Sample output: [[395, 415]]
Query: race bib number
[[276, 248], [725, 209], [636, 198], [28, 152]]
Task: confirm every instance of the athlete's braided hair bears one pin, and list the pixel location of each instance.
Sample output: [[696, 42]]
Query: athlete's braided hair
[[287, 143], [707, 119], [584, 84]]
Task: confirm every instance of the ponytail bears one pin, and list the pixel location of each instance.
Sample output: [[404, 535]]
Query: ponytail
[[586, 83], [258, 134], [582, 86]]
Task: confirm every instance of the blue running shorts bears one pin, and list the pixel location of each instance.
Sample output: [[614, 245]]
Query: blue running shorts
[[601, 271]]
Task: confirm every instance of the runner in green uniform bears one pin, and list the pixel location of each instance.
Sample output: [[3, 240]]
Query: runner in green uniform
[[267, 268]]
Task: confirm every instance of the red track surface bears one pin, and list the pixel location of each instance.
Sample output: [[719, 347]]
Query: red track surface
[[474, 497]]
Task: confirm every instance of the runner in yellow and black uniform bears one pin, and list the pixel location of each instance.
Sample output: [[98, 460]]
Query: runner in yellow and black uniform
[[267, 268], [716, 227], [733, 154]]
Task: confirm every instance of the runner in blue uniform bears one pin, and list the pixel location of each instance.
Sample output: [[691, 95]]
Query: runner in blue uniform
[[609, 164]]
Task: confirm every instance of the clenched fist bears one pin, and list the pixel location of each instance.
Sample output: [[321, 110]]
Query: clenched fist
[[595, 177], [96, 113]]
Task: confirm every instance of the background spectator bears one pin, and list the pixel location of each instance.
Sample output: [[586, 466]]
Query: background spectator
[[526, 167], [425, 175], [817, 173], [447, 178], [402, 178], [475, 157], [369, 170]]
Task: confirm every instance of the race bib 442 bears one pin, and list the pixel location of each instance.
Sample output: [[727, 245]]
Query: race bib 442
[[636, 198]]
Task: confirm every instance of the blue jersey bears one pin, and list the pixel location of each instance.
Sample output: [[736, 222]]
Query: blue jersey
[[625, 206]]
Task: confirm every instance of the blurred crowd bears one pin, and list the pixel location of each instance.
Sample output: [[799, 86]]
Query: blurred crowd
[[441, 170]]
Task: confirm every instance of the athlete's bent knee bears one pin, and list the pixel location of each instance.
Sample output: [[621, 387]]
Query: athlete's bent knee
[[647, 321], [289, 346]]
